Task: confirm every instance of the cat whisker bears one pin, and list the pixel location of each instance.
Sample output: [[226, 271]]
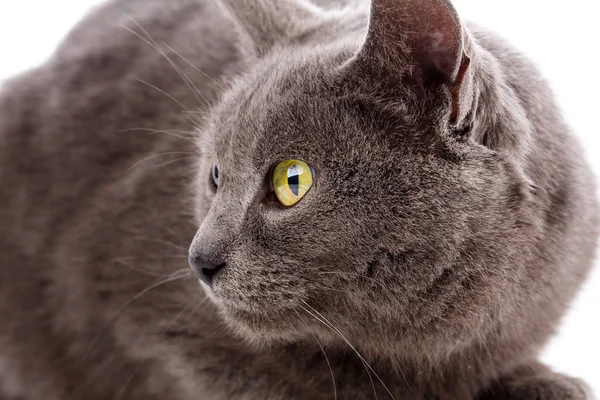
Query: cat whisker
[[195, 112], [162, 91], [165, 329], [161, 241], [329, 365], [152, 43], [152, 131], [157, 155], [137, 269], [195, 91], [172, 161], [177, 134], [324, 353], [189, 139], [328, 323], [121, 392], [184, 271], [123, 259], [125, 262], [173, 233], [177, 275], [193, 66], [360, 357]]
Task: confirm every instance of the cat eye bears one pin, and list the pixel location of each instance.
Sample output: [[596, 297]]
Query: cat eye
[[214, 172], [292, 179]]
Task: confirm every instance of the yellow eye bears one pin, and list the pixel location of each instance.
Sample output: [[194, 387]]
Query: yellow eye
[[292, 179]]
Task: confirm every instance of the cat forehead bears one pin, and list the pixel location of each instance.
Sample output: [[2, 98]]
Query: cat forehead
[[273, 98], [299, 102]]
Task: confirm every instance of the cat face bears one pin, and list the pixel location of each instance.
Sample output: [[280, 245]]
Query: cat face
[[403, 235]]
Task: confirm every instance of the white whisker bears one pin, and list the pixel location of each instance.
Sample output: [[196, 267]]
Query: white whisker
[[123, 259], [121, 392], [195, 112], [136, 268], [193, 66], [172, 161], [174, 133], [328, 323], [324, 353], [161, 241], [360, 357], [329, 365], [177, 69], [139, 364], [173, 277], [150, 41], [157, 155], [163, 92], [174, 234]]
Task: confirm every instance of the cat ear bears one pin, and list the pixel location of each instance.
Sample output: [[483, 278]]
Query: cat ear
[[265, 23], [423, 39]]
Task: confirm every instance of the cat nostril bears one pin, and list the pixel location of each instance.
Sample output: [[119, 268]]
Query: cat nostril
[[204, 269]]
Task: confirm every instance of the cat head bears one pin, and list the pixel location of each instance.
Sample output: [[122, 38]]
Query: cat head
[[406, 217]]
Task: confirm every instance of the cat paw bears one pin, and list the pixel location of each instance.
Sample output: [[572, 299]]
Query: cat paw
[[525, 384]]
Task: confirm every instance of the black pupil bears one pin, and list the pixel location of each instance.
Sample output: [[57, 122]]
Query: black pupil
[[294, 180], [215, 174]]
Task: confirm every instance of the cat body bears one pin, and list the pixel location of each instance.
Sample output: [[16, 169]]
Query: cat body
[[450, 223]]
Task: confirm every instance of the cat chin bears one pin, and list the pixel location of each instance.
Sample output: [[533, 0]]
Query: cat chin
[[259, 318], [261, 328], [265, 337]]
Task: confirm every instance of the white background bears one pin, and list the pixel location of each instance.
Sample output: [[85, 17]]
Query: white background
[[561, 36]]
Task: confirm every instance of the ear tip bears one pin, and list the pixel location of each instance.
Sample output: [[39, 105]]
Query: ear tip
[[452, 9], [432, 28], [447, 4]]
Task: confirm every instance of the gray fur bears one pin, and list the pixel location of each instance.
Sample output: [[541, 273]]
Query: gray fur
[[451, 222]]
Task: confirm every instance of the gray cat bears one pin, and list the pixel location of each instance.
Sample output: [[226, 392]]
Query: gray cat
[[384, 203]]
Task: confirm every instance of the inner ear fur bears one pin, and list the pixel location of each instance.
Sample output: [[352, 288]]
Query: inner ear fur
[[423, 40]]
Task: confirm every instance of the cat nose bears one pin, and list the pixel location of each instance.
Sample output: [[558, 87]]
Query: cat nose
[[204, 269]]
